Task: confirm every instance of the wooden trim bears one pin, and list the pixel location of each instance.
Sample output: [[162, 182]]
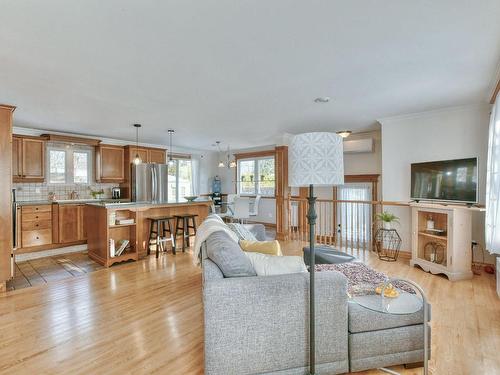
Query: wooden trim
[[255, 154], [495, 93], [71, 139], [282, 190], [35, 137], [268, 225], [349, 178], [12, 108], [5, 192]]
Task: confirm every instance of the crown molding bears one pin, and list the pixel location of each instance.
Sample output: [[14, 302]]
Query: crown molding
[[495, 88], [434, 112]]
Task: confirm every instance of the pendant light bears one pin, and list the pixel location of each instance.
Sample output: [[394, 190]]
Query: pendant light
[[137, 159], [221, 163], [170, 157], [230, 162]]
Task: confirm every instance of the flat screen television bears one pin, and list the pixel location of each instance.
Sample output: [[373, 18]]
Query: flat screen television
[[446, 181]]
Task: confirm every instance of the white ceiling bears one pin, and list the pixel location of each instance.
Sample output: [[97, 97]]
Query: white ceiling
[[240, 71]]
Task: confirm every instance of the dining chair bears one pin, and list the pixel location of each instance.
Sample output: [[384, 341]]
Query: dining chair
[[241, 209], [255, 208]]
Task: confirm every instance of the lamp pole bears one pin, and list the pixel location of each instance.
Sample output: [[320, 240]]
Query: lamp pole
[[311, 218]]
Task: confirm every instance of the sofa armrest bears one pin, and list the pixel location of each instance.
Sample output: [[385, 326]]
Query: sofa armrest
[[261, 324]]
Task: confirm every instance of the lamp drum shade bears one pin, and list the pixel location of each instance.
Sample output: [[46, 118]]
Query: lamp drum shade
[[316, 159]]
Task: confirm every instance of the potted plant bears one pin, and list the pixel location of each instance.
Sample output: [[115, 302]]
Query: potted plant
[[387, 218]]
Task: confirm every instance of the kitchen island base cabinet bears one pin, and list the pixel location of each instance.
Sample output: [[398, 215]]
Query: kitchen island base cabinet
[[100, 230]]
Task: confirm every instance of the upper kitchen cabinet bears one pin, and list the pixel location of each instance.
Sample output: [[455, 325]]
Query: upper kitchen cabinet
[[147, 155], [157, 156], [110, 163], [28, 159]]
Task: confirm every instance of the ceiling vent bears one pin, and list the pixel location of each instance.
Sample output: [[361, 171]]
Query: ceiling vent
[[358, 146]]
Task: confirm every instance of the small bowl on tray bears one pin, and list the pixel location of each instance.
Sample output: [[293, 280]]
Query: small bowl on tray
[[190, 198]]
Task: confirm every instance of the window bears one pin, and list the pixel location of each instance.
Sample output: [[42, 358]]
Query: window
[[180, 179], [256, 176], [69, 165]]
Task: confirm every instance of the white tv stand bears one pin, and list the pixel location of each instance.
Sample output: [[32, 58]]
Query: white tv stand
[[447, 249]]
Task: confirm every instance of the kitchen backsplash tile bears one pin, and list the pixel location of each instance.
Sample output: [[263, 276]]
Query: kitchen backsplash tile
[[40, 191]]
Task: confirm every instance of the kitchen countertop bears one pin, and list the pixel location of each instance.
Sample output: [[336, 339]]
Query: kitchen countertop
[[72, 201], [181, 202]]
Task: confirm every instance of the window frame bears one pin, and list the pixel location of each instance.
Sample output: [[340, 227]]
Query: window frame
[[256, 181], [69, 178], [177, 159]]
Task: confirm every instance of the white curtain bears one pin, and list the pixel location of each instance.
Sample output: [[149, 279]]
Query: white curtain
[[492, 227], [195, 174], [355, 219]]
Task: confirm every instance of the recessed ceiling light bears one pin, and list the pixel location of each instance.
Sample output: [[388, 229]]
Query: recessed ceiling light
[[323, 99], [344, 133]]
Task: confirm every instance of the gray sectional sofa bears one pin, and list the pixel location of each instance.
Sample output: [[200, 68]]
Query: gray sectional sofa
[[259, 325]]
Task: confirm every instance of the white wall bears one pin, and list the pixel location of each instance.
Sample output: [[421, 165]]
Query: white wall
[[362, 163], [450, 133]]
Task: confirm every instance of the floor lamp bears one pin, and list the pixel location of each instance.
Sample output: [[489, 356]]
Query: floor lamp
[[314, 159]]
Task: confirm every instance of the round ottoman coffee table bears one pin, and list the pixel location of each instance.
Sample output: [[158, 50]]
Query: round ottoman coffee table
[[405, 303]]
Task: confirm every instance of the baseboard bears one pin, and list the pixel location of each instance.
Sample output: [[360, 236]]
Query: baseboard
[[32, 249], [405, 254], [50, 253]]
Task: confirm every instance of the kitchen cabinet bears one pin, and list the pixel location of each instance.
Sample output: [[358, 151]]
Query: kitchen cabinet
[[71, 226], [28, 159], [110, 163], [68, 223], [156, 156], [147, 154], [142, 152], [36, 225], [6, 242]]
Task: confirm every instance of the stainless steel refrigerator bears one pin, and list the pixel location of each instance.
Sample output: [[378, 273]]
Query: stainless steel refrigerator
[[150, 182]]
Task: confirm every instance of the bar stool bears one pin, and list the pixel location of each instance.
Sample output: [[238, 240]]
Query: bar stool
[[183, 223], [164, 227]]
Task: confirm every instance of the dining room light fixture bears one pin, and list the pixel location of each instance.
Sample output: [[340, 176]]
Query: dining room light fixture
[[344, 133], [230, 162], [170, 153], [137, 159]]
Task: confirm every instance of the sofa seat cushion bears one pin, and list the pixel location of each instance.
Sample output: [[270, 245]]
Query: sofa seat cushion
[[268, 265], [362, 319]]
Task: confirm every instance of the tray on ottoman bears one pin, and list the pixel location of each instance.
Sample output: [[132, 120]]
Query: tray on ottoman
[[327, 255]]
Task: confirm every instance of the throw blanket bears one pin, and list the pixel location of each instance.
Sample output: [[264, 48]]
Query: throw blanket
[[213, 223], [361, 279]]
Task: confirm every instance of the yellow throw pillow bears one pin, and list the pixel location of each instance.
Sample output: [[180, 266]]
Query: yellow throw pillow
[[263, 247]]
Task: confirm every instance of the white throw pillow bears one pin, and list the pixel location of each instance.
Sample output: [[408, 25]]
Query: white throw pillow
[[267, 265]]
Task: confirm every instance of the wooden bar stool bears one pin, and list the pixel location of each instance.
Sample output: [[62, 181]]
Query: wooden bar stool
[[183, 223], [160, 231]]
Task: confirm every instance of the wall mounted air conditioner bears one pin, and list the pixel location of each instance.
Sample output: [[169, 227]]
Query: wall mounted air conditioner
[[358, 146]]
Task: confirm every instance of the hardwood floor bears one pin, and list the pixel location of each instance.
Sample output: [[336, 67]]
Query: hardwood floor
[[146, 317]]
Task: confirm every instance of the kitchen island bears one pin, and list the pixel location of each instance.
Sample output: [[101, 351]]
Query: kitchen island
[[100, 221]]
